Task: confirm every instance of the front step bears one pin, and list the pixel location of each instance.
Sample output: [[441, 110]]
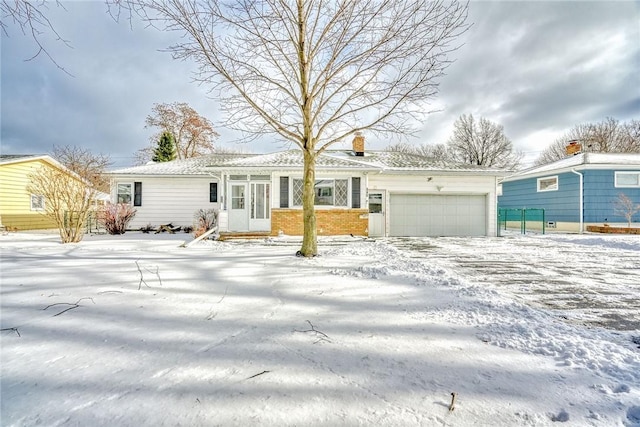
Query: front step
[[231, 235]]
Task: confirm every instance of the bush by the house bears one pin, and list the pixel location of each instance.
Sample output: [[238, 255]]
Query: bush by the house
[[147, 229], [205, 220], [116, 217]]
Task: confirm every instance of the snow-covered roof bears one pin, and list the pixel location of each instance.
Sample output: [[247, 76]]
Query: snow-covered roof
[[7, 159], [582, 161], [191, 166], [388, 161], [17, 158], [399, 161]]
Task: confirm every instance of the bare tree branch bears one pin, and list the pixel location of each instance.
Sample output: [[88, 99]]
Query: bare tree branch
[[607, 136], [12, 329], [31, 18]]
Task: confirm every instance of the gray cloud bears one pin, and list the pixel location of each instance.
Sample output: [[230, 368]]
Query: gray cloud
[[543, 67], [538, 68]]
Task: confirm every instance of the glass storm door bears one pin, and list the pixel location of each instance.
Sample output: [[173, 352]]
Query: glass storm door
[[260, 207], [376, 214], [238, 208]]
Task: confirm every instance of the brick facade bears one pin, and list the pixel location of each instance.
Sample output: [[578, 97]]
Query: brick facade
[[330, 222]]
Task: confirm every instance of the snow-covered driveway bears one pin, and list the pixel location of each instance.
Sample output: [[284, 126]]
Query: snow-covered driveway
[[589, 279], [133, 330]]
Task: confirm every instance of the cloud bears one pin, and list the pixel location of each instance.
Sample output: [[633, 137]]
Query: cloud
[[537, 68], [543, 67]]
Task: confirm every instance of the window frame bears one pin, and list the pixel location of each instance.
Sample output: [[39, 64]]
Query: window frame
[[37, 207], [552, 187], [130, 185], [619, 173], [299, 182]]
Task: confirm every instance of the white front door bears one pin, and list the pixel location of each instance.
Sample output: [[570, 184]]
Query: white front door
[[238, 208], [376, 213]]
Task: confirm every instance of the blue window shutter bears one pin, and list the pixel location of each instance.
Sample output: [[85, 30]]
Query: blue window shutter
[[137, 194], [213, 192], [355, 192], [284, 191]]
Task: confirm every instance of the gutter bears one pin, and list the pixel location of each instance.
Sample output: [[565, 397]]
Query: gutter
[[580, 200]]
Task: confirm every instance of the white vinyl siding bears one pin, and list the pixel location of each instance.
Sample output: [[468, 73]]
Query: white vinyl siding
[[170, 200]]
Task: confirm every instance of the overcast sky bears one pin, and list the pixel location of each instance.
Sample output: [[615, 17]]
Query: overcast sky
[[537, 68]]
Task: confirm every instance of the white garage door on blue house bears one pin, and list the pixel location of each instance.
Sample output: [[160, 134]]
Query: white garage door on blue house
[[424, 215]]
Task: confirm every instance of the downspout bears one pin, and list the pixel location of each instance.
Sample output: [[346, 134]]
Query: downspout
[[580, 198]]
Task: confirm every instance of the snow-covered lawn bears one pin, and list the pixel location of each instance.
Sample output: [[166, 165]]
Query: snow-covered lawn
[[133, 330]]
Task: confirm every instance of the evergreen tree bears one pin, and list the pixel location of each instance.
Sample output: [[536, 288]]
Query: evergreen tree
[[166, 149]]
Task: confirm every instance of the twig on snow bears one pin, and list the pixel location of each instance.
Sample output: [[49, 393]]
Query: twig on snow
[[224, 295], [212, 313], [319, 334], [74, 305], [12, 329], [257, 375], [156, 273], [141, 277], [453, 401]]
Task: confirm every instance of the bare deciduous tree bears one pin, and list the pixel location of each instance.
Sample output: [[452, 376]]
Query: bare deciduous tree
[[87, 165], [70, 192], [625, 207], [481, 143], [438, 153], [193, 134], [607, 136], [313, 72]]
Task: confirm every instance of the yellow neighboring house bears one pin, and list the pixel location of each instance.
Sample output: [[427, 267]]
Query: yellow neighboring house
[[19, 209]]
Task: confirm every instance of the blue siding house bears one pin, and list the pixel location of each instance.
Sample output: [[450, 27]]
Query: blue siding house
[[577, 191]]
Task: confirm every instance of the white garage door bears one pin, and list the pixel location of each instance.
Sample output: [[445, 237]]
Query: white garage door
[[420, 215]]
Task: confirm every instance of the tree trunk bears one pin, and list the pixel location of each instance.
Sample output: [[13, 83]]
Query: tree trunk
[[310, 238]]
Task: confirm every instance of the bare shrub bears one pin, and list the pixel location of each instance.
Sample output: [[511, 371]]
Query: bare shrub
[[116, 217], [205, 220], [147, 228], [625, 207]]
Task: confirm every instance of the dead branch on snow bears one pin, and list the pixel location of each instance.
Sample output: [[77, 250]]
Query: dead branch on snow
[[142, 275], [72, 306], [321, 336], [453, 401]]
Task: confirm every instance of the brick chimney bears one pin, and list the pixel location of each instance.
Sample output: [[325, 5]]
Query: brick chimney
[[358, 144], [573, 148]]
